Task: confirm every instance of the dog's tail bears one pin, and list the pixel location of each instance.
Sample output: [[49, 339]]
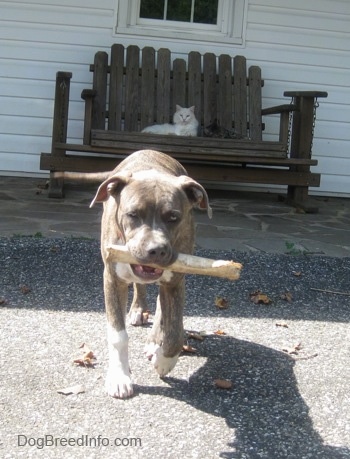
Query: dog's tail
[[85, 177]]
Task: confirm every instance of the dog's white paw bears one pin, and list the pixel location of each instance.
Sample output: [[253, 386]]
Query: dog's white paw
[[162, 364], [150, 350], [118, 384], [137, 318]]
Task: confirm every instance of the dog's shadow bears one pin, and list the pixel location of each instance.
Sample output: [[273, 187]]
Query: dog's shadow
[[264, 407]]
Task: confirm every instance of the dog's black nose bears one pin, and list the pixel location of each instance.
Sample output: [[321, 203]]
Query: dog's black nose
[[159, 254]]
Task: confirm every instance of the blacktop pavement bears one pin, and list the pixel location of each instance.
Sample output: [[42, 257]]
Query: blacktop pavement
[[287, 360]]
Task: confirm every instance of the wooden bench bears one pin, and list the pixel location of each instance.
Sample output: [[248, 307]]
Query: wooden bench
[[138, 88]]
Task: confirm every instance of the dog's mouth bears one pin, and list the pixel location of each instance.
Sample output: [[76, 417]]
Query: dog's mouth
[[146, 272]]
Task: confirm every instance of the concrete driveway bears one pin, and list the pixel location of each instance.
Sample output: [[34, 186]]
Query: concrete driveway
[[288, 360]]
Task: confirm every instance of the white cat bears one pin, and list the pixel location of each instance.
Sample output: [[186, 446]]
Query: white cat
[[185, 123]]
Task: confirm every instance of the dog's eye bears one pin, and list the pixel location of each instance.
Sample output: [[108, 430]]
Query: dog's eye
[[132, 214], [173, 217]]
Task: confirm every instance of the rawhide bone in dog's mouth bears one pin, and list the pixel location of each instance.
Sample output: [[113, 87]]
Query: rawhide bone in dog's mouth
[[188, 264]]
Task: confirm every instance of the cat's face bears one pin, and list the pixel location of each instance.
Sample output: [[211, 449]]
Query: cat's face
[[183, 115]]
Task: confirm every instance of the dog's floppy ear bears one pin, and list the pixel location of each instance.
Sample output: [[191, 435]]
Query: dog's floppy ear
[[110, 185], [196, 194]]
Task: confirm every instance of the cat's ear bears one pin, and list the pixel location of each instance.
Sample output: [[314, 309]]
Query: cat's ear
[[192, 108], [178, 107]]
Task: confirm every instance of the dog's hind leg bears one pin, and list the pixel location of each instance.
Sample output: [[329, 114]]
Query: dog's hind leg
[[167, 335], [138, 305]]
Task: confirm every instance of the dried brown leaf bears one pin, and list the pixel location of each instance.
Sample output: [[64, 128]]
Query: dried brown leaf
[[88, 355], [282, 324], [287, 296], [297, 273], [221, 303], [293, 349], [3, 301], [25, 289], [223, 383], [189, 349], [258, 297], [219, 332], [88, 358], [77, 389], [84, 362]]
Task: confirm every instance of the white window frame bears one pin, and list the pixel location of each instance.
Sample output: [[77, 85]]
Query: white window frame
[[229, 29]]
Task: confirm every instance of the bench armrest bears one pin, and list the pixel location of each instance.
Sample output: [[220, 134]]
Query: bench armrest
[[305, 94], [88, 94], [278, 109], [284, 112]]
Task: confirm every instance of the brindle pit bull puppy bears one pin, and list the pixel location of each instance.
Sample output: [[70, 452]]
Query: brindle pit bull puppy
[[148, 201]]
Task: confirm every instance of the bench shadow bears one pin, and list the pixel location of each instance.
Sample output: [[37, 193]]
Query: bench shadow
[[264, 407]]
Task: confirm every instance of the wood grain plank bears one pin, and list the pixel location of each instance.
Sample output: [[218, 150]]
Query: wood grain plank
[[190, 142], [195, 83], [240, 95], [210, 89], [116, 88], [179, 84], [181, 155], [148, 92], [132, 88], [163, 86], [255, 122], [100, 86], [225, 91], [199, 172]]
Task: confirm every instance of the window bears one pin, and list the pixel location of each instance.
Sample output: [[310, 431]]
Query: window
[[192, 11], [203, 20]]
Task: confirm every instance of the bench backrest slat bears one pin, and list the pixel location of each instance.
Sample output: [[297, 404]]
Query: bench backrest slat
[[255, 104], [132, 88], [144, 87], [100, 85], [148, 87], [225, 91], [163, 86], [179, 95], [195, 81], [210, 102], [240, 95], [116, 88]]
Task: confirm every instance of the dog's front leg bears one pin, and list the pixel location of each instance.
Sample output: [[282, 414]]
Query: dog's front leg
[[167, 335], [118, 381]]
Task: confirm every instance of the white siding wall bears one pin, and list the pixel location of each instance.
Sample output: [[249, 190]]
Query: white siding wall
[[298, 44]]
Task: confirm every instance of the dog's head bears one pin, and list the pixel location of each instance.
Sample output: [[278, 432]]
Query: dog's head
[[153, 213]]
